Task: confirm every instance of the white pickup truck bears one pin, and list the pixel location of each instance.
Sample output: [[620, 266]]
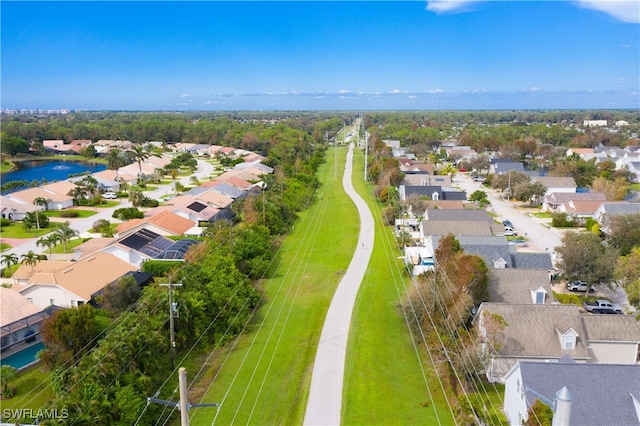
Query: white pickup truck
[[601, 304]]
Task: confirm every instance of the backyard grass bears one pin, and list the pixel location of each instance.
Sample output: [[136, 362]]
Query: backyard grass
[[4, 246], [541, 215], [266, 379], [383, 368], [32, 391]]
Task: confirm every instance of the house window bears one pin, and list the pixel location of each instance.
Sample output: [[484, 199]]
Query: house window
[[52, 302], [74, 303], [539, 297], [569, 341]]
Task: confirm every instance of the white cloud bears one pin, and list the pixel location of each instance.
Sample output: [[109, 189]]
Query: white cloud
[[534, 89], [444, 6], [343, 91], [413, 97], [623, 10], [185, 95], [394, 91]]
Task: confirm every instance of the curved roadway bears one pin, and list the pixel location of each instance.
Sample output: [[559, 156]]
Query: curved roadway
[[325, 396]]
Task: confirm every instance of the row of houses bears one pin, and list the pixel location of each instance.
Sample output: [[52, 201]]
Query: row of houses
[[100, 262], [578, 363]]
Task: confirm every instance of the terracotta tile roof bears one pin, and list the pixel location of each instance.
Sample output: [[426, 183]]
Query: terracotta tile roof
[[14, 307], [102, 268], [130, 224], [84, 277], [215, 198], [171, 222]]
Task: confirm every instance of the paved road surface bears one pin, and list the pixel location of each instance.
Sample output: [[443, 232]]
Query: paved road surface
[[325, 397], [540, 237]]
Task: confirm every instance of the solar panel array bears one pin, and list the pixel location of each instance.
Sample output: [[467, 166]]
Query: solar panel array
[[147, 242]]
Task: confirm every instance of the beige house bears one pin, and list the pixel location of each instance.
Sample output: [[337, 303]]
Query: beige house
[[69, 284], [543, 332]]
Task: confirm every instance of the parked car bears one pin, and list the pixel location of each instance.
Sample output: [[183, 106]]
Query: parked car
[[519, 243], [507, 223], [110, 195], [602, 304], [579, 286], [509, 231]]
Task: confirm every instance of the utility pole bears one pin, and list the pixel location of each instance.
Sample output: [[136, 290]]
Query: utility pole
[[172, 310], [184, 406]]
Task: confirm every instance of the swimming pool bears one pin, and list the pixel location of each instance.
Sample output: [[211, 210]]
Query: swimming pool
[[23, 358]]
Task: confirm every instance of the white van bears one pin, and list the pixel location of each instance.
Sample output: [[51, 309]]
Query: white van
[[509, 231]]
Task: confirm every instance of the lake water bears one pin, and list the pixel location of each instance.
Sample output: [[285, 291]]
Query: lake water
[[51, 170]]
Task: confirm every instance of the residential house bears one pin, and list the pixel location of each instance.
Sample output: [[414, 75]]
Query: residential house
[[455, 227], [494, 250], [424, 179], [505, 167], [462, 215], [67, 284], [15, 209], [419, 259], [546, 332], [138, 246], [579, 210], [165, 223], [551, 202], [579, 151], [557, 184], [59, 147], [594, 123], [519, 286], [435, 192], [56, 193], [608, 210], [20, 319], [532, 332], [597, 394]]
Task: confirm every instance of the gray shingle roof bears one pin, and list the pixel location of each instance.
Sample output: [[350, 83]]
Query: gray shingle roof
[[534, 330], [605, 328], [458, 215], [444, 227], [532, 261], [602, 394], [515, 285], [616, 209]]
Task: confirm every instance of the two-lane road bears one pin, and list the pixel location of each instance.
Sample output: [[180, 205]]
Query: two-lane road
[[540, 237]]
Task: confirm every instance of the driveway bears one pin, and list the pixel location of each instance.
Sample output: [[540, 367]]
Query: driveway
[[325, 396]]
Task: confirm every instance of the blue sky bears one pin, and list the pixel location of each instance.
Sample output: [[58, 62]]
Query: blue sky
[[361, 55]]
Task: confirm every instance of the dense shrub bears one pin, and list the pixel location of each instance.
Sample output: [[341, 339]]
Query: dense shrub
[[127, 213], [4, 222], [560, 220], [69, 213], [159, 268], [149, 202]]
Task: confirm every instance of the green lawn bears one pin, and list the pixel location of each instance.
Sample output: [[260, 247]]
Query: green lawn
[[266, 378], [32, 390], [384, 368], [4, 246], [81, 213], [16, 230]]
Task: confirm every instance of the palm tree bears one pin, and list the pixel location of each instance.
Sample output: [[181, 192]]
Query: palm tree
[[52, 240], [10, 259], [40, 201], [30, 259], [65, 234], [139, 154], [174, 175], [115, 160], [7, 374]]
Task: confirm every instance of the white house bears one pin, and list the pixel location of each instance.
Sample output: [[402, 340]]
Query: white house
[[582, 394]]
